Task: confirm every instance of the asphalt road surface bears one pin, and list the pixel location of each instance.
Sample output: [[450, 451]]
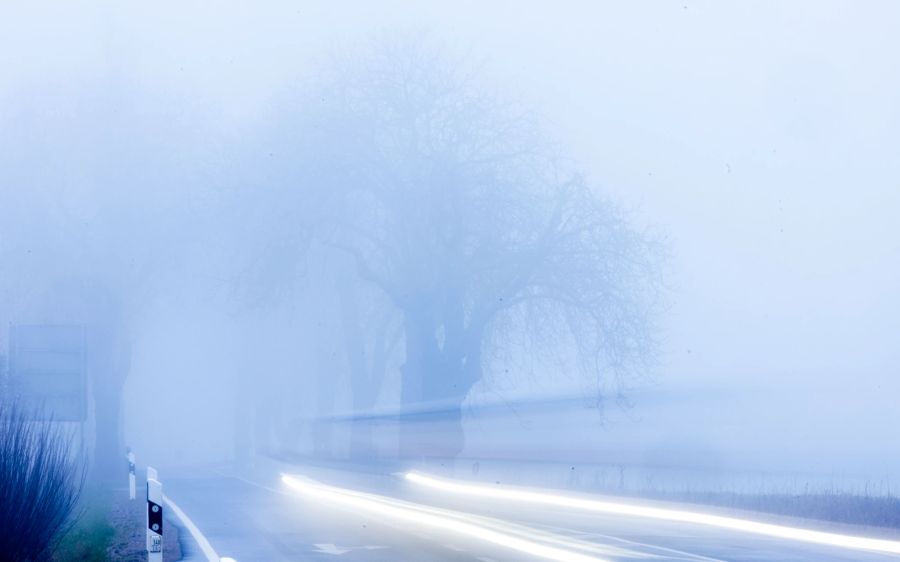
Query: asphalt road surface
[[375, 515]]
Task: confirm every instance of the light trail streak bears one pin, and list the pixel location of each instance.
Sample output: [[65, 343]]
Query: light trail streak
[[385, 507], [620, 508]]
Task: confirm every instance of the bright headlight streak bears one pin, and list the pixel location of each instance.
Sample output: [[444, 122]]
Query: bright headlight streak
[[357, 502], [744, 525]]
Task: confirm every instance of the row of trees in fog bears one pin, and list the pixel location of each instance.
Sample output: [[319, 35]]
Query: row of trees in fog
[[474, 234], [442, 221], [92, 222]]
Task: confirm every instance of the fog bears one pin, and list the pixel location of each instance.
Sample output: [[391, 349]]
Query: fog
[[227, 199]]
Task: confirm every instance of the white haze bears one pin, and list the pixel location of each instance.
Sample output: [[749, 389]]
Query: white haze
[[761, 138]]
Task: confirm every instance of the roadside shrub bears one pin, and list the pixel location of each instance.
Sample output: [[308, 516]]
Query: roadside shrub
[[40, 482]]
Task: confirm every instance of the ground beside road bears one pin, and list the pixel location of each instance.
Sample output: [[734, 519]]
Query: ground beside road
[[110, 527], [130, 542]]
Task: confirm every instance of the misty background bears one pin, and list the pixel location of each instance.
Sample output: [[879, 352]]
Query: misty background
[[758, 141]]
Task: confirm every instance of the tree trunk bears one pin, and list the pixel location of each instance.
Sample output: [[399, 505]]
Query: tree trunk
[[362, 446], [243, 422], [109, 361], [322, 425], [436, 380], [367, 371], [411, 398], [109, 450]]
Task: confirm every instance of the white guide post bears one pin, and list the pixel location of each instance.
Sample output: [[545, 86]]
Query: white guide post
[[154, 517], [131, 484]]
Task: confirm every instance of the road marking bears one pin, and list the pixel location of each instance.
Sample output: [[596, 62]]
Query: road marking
[[679, 554], [385, 507], [204, 545], [618, 508], [330, 548]]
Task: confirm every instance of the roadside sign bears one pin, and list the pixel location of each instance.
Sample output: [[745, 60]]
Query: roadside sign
[[47, 370]]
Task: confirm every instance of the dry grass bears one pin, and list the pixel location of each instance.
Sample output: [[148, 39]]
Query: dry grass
[[40, 482]]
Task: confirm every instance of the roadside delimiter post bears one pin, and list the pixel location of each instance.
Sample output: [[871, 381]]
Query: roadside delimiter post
[[131, 484], [154, 517]]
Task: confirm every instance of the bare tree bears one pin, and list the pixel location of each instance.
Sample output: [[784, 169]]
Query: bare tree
[[460, 212]]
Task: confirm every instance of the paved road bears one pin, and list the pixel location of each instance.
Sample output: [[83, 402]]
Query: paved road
[[253, 516]]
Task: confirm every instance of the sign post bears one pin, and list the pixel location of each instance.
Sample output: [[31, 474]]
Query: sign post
[[131, 485], [154, 517]]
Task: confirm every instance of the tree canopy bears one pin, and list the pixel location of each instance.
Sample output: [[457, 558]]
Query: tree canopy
[[459, 210]]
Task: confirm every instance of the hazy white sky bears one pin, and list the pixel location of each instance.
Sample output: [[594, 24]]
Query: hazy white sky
[[761, 137]]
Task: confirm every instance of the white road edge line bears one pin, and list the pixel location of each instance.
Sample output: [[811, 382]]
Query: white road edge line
[[207, 548], [633, 510]]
